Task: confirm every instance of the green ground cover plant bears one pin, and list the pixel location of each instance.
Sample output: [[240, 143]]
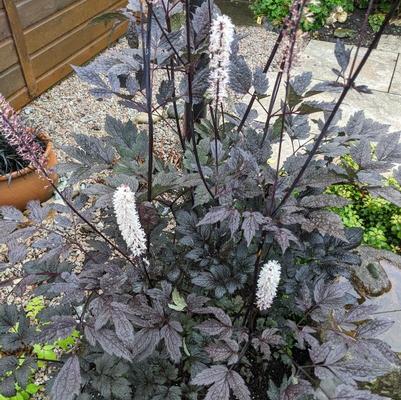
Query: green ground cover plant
[[380, 219], [318, 13], [42, 354]]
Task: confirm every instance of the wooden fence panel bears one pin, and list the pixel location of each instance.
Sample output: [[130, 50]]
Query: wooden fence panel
[[44, 37]]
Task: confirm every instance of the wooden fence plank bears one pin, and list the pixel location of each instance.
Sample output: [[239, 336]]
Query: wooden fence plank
[[65, 46], [18, 35], [11, 80], [21, 98], [45, 32], [8, 54], [55, 41], [33, 11], [4, 27]]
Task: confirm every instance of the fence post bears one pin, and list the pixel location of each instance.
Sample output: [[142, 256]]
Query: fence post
[[20, 44]]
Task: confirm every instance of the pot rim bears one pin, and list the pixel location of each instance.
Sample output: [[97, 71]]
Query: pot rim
[[29, 169]]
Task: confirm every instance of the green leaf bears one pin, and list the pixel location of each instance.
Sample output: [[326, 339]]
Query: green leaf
[[178, 300], [185, 347], [32, 388]]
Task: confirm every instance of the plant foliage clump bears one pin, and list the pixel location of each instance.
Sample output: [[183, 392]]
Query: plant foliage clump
[[379, 218], [180, 320]]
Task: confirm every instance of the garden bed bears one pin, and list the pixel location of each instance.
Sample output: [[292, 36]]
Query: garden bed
[[352, 26]]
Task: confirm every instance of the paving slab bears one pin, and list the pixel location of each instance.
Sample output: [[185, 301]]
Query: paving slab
[[377, 73], [390, 43], [380, 106], [396, 82]]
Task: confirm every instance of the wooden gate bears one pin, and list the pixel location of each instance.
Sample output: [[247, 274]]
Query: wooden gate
[[40, 39]]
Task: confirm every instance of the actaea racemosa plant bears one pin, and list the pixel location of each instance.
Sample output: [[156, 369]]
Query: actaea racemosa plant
[[226, 276]]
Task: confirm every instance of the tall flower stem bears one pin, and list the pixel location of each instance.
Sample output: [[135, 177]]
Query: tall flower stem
[[172, 77], [286, 65], [189, 108], [148, 86]]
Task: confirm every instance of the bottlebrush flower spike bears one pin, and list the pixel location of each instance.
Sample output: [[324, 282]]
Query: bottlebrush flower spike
[[19, 136], [221, 38], [268, 281], [124, 203]]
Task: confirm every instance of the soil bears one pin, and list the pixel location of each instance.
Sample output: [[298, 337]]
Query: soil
[[354, 22], [274, 372]]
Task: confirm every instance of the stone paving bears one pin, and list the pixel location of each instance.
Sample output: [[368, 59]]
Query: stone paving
[[381, 73]]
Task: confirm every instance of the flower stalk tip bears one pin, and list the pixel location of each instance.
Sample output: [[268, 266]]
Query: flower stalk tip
[[221, 38], [19, 136], [268, 281], [124, 203]]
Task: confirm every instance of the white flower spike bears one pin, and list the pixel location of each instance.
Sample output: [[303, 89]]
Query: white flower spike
[[128, 220], [268, 281], [221, 38]]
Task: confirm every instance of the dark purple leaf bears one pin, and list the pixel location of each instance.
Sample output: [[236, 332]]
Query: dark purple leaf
[[68, 381], [172, 339], [60, 327], [240, 75], [238, 386], [109, 341], [210, 375], [342, 55], [215, 214], [374, 328], [226, 350], [144, 343], [349, 392], [11, 214]]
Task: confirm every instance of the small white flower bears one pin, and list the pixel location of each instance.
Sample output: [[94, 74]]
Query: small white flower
[[268, 281], [221, 38], [128, 220]]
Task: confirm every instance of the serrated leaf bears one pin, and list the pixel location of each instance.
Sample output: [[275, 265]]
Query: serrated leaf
[[350, 392], [372, 329], [68, 381], [214, 215], [342, 55], [109, 341], [301, 82], [226, 350], [60, 327], [11, 214], [240, 75], [251, 223], [210, 375], [172, 339], [123, 326], [388, 147], [260, 81]]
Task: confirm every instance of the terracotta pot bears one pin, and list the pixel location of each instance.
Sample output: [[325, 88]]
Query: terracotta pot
[[27, 184]]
